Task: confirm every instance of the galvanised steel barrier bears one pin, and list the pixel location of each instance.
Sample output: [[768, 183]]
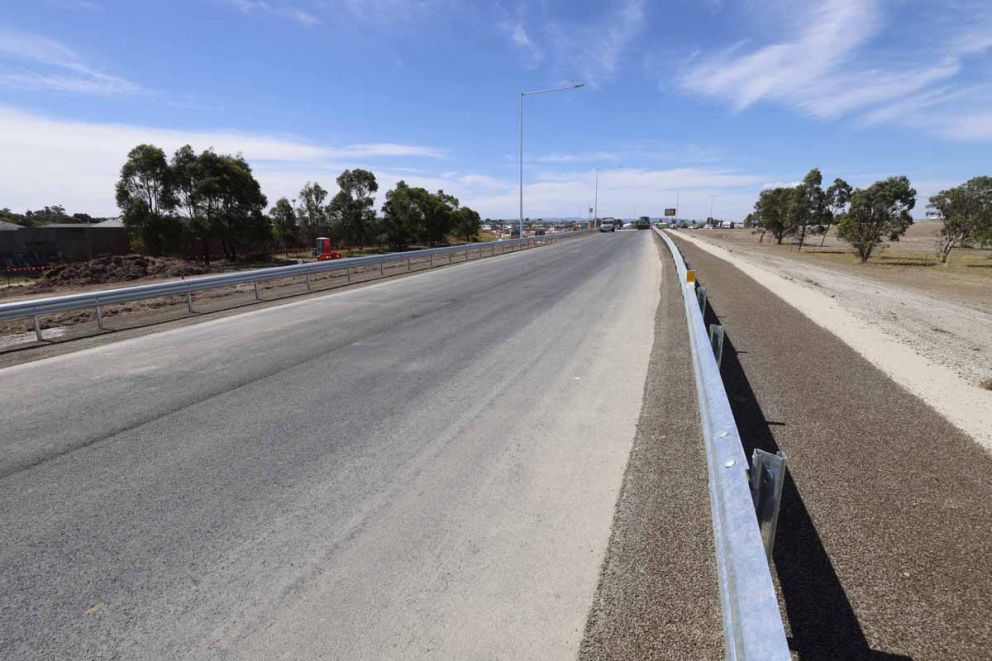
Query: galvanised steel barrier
[[40, 306], [743, 501]]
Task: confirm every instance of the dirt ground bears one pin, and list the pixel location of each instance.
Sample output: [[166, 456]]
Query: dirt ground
[[944, 313], [910, 262]]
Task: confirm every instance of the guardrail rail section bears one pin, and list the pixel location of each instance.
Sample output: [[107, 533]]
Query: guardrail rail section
[[34, 308], [743, 500]]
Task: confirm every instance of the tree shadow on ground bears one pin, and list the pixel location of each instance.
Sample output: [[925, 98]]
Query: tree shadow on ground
[[821, 618]]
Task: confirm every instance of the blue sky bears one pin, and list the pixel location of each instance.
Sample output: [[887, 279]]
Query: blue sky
[[714, 99]]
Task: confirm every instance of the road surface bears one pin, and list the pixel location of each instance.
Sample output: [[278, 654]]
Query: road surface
[[425, 467]]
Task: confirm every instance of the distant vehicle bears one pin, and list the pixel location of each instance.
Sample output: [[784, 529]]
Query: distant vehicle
[[607, 226], [643, 224], [628, 226]]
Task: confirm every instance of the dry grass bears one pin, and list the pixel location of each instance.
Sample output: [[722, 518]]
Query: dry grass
[[911, 261]]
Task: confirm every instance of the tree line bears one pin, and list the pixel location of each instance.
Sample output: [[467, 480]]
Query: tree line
[[191, 202], [45, 216], [869, 217]]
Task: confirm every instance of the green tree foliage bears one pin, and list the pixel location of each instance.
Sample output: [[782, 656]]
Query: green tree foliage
[[809, 205], [144, 195], [352, 208], [194, 198], [467, 223], [877, 214], [233, 204], [439, 217], [312, 214], [283, 219], [403, 215], [774, 212], [967, 214], [186, 179], [838, 197]]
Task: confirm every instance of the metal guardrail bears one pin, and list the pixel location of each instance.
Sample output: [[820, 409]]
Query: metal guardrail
[[743, 502], [187, 287]]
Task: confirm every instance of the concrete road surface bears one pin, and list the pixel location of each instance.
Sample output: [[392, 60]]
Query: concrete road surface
[[426, 467]]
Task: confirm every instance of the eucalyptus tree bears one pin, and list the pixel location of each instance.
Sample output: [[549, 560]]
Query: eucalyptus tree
[[877, 214]]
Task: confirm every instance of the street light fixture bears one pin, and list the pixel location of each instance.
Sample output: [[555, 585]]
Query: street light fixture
[[522, 95]]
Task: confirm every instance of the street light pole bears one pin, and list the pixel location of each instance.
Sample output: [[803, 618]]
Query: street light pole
[[595, 215], [596, 203], [522, 95]]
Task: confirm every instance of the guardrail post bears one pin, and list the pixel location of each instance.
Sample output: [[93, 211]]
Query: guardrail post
[[99, 318], [408, 265], [37, 328], [257, 297], [189, 302], [716, 341], [349, 274], [381, 273], [766, 478], [701, 297], [308, 281]]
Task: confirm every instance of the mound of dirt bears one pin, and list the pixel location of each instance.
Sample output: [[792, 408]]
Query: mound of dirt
[[120, 268]]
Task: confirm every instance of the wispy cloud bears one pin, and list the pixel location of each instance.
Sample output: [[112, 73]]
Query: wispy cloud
[[290, 12], [577, 157], [29, 61], [377, 149], [89, 156], [828, 66], [78, 5], [586, 51]]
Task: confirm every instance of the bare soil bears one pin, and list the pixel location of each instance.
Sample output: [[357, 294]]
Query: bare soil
[[910, 262], [942, 312]]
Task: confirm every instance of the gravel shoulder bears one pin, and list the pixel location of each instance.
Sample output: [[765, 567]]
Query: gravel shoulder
[[884, 546], [657, 596], [939, 349]]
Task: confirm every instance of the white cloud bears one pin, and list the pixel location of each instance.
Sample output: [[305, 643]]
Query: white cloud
[[384, 149], [576, 157], [292, 13], [75, 163], [828, 66], [519, 36], [586, 52], [780, 184], [29, 61], [80, 5], [594, 51]]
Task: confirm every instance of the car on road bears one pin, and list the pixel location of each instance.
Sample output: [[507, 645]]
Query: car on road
[[643, 224], [607, 226]]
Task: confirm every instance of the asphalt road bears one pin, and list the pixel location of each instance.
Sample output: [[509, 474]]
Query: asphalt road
[[884, 545], [426, 467]]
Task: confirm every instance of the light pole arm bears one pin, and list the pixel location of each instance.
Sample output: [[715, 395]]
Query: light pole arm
[[522, 95]]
